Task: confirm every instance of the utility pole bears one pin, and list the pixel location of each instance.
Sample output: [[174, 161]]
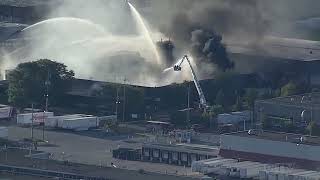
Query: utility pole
[[124, 100], [117, 103], [32, 122], [44, 114], [47, 84], [188, 110]]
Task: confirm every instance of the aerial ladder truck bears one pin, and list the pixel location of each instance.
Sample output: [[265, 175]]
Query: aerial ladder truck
[[177, 67]]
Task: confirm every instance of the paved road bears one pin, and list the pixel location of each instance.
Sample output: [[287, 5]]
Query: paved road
[[91, 150]]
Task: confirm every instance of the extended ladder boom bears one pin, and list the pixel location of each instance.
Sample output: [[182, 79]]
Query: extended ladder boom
[[203, 101]]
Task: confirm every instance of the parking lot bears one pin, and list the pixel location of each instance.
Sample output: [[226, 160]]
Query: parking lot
[[87, 149]]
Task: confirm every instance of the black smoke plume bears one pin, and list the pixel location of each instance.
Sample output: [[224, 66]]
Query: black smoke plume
[[165, 49], [207, 47], [200, 27]]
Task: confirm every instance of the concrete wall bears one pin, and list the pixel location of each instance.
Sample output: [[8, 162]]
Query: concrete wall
[[268, 147]]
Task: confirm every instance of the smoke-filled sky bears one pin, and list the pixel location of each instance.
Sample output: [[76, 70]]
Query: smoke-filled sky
[[230, 17], [102, 41]]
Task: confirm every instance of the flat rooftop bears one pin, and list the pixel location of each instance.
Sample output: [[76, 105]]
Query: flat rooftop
[[188, 148], [12, 25], [277, 47], [283, 137]]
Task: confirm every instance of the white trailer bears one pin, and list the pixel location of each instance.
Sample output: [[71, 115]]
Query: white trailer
[[251, 172], [196, 165], [298, 175], [4, 132], [234, 171], [225, 168], [212, 167], [78, 124], [313, 177], [39, 117], [284, 175], [279, 173], [56, 121]]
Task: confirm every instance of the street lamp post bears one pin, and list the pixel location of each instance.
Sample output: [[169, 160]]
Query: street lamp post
[[32, 117], [117, 103], [188, 111]]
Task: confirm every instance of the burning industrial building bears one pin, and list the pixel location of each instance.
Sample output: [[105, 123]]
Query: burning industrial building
[[219, 35]]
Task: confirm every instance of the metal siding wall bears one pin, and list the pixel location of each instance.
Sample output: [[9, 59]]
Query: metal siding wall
[[275, 148]]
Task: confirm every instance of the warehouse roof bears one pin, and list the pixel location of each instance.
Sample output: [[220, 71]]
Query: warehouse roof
[[10, 25], [279, 136], [276, 47]]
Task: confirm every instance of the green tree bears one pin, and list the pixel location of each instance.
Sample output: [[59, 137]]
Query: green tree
[[28, 82], [289, 89], [178, 118], [313, 129], [217, 109], [238, 106], [211, 115], [134, 97], [250, 97], [265, 122]]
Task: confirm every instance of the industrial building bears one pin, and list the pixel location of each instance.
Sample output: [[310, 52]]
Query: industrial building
[[270, 147], [299, 110], [25, 11], [274, 53], [180, 154]]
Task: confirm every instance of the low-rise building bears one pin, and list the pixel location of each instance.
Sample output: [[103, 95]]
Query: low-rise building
[[180, 154], [298, 110], [272, 147]]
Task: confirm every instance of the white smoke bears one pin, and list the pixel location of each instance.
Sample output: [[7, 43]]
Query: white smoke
[[97, 43]]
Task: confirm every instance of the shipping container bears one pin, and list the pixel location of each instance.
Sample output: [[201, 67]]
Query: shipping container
[[56, 121], [298, 175]]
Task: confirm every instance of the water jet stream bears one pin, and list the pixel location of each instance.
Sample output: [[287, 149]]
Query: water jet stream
[[142, 28], [96, 27]]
